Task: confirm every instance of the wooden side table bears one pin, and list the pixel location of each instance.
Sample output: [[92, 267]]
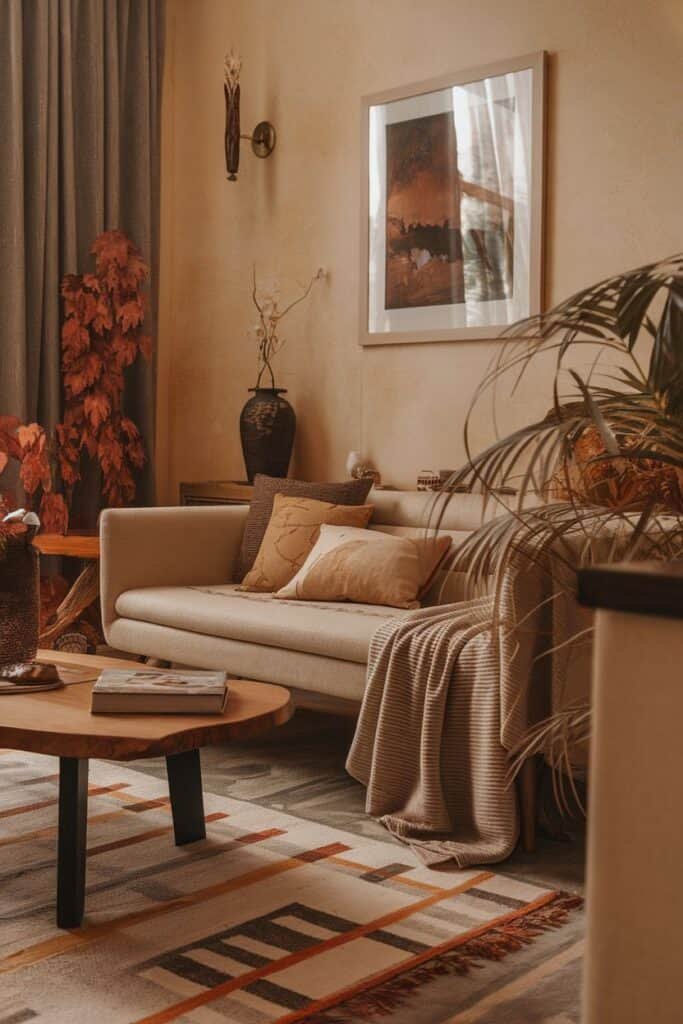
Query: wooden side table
[[216, 492], [86, 588]]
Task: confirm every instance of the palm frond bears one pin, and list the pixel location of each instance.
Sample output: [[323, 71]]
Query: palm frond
[[644, 413], [599, 477], [555, 738]]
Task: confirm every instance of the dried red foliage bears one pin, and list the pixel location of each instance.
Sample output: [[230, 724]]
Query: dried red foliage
[[102, 336], [28, 444], [53, 514], [9, 443], [35, 459]]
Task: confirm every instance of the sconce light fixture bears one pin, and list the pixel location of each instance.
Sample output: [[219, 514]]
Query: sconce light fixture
[[263, 136]]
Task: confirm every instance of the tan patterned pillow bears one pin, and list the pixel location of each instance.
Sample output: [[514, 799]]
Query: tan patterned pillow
[[348, 492], [367, 566], [290, 536]]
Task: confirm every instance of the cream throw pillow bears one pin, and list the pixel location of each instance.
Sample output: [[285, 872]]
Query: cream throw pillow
[[367, 566], [290, 536]]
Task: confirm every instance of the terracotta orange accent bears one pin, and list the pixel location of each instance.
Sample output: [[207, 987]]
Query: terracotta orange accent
[[411, 882], [85, 935], [321, 852], [51, 830], [74, 545], [142, 837], [116, 844], [27, 807], [51, 947], [92, 791], [202, 998], [42, 778], [115, 787], [139, 806], [258, 837]]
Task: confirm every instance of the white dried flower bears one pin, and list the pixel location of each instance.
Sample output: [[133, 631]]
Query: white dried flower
[[266, 300], [232, 68]]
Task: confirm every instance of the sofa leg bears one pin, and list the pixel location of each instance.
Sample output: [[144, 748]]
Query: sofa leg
[[527, 782]]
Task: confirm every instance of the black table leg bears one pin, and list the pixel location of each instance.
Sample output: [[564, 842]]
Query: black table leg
[[187, 803], [71, 841]]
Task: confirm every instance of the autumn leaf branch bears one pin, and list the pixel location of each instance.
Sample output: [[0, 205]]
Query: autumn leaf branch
[[101, 337]]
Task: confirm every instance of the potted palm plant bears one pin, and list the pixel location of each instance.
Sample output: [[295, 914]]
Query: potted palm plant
[[603, 467]]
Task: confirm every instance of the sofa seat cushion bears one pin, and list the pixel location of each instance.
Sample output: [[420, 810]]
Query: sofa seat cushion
[[332, 629]]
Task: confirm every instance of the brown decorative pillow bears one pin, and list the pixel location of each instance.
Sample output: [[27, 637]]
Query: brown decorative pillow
[[290, 536], [366, 566], [351, 492]]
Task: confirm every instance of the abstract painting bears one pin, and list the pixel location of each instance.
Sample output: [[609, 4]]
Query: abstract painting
[[453, 188]]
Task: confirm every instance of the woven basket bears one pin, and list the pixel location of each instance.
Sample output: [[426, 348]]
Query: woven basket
[[19, 595]]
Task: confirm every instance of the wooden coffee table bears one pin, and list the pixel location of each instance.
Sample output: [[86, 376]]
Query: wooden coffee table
[[59, 722]]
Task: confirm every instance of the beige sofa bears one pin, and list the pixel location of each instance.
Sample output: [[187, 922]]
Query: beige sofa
[[167, 593]]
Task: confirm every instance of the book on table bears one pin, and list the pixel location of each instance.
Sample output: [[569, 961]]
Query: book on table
[[159, 692]]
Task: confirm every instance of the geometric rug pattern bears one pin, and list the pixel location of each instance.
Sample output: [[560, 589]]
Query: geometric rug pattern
[[270, 918]]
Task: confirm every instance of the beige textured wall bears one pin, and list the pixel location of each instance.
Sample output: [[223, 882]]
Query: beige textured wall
[[615, 153]]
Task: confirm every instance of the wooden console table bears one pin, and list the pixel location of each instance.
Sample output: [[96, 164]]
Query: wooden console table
[[86, 588], [216, 492]]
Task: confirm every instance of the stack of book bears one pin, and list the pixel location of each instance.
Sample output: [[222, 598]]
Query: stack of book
[[159, 692]]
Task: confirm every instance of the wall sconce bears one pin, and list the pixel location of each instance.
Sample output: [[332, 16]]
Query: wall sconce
[[263, 136]]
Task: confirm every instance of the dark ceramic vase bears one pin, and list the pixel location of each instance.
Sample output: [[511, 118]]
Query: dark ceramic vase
[[19, 597], [267, 428]]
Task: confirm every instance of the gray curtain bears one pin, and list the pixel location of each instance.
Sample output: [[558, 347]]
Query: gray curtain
[[80, 90]]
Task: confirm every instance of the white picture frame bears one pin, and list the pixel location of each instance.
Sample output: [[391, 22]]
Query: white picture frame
[[452, 191]]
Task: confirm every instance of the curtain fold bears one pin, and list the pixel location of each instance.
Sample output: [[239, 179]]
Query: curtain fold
[[80, 92]]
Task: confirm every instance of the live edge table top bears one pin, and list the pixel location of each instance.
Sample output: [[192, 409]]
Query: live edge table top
[[59, 722]]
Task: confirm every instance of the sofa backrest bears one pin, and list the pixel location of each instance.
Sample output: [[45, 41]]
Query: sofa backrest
[[411, 513]]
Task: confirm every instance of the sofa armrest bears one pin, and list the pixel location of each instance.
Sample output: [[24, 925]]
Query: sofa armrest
[[157, 547]]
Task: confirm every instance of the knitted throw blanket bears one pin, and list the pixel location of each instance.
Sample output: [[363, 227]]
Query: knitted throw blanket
[[427, 744], [447, 701]]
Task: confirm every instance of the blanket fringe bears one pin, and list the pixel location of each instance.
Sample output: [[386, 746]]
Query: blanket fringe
[[389, 996]]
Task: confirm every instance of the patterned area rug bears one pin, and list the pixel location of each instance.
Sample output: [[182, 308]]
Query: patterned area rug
[[271, 918]]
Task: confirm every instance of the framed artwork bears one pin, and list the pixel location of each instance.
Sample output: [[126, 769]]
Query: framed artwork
[[452, 211]]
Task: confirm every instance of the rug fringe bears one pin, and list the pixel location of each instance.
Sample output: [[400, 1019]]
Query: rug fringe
[[495, 944]]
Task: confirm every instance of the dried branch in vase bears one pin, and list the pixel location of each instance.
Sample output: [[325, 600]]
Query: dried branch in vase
[[266, 331], [28, 445]]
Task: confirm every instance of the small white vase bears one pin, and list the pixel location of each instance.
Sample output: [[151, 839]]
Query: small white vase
[[354, 459]]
